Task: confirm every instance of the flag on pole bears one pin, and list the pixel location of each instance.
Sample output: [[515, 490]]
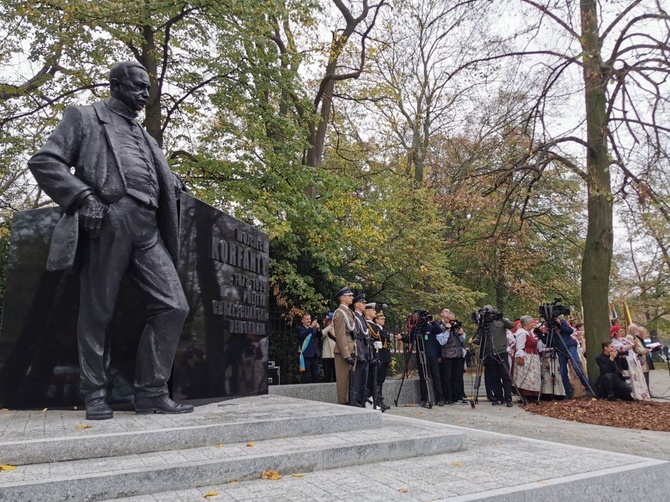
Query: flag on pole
[[627, 318]]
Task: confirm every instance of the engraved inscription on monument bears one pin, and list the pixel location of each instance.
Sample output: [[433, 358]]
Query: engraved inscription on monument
[[224, 348]]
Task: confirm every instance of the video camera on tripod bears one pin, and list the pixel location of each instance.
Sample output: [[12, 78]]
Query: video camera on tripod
[[551, 311], [485, 316], [419, 318]]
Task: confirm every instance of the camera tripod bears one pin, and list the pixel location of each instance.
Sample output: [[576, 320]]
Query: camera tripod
[[549, 341], [487, 338], [422, 363]]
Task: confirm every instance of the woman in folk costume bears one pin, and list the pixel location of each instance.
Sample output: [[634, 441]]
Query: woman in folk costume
[[634, 371], [527, 367]]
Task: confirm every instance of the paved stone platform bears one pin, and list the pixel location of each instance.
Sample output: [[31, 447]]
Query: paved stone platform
[[56, 459], [493, 467], [28, 437]]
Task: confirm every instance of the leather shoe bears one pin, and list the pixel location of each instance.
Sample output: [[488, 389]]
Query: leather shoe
[[160, 404], [98, 409], [509, 404]]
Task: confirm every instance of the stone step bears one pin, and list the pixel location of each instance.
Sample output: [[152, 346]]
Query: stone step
[[154, 472], [32, 437]]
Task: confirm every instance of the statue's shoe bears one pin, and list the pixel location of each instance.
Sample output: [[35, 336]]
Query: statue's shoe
[[98, 409], [160, 404]]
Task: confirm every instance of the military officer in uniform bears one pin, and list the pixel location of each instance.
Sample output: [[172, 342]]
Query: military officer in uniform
[[345, 347], [373, 386], [358, 388], [384, 353]]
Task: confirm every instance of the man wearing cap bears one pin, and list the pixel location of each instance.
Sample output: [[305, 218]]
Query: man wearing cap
[[345, 347], [358, 388], [379, 340]]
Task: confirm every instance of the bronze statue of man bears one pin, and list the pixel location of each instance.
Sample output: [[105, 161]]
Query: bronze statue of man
[[123, 197]]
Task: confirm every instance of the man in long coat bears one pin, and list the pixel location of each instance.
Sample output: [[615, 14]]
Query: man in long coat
[[345, 346], [123, 196]]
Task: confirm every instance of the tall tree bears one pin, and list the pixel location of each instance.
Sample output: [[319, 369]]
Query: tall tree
[[621, 52], [409, 85]]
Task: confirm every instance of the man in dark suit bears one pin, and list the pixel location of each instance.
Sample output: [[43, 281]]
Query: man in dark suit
[[123, 196], [309, 333]]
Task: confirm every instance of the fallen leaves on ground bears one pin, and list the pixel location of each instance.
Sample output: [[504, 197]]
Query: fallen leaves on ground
[[218, 445], [401, 490], [210, 495], [271, 474], [234, 483], [4, 410], [457, 464], [298, 475], [84, 426], [7, 467], [643, 415], [250, 445]]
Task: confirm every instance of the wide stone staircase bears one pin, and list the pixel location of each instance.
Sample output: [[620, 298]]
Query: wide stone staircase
[[58, 455]]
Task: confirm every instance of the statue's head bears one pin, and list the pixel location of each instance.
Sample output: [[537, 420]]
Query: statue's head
[[129, 83]]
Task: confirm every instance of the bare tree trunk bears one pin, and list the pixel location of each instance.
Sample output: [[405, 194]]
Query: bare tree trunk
[[597, 258]]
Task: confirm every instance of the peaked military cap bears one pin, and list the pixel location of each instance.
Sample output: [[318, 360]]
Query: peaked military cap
[[344, 291], [360, 298]]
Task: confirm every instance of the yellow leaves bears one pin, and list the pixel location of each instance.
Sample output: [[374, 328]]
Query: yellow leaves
[[456, 464], [251, 445], [298, 475], [219, 445], [234, 483], [84, 426], [210, 495], [271, 474], [7, 468]]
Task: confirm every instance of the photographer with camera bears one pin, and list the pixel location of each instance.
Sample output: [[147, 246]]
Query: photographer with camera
[[557, 333], [452, 356], [491, 337], [611, 383], [423, 337]]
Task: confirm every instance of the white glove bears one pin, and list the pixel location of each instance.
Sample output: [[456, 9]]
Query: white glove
[[378, 345]]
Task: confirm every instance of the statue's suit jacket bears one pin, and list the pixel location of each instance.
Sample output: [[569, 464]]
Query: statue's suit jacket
[[84, 142]]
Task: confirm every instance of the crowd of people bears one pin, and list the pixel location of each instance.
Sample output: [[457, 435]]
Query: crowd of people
[[526, 357]]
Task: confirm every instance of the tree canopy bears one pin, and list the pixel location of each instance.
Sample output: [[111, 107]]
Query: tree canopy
[[428, 153]]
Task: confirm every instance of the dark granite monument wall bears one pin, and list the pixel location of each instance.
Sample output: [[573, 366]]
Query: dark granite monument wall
[[223, 350]]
